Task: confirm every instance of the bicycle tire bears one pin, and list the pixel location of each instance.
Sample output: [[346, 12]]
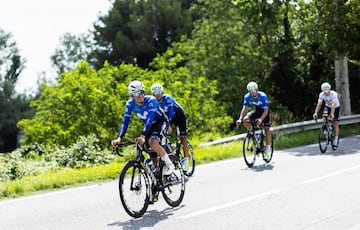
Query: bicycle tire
[[268, 159], [173, 189], [134, 189], [249, 151], [191, 161], [323, 139]]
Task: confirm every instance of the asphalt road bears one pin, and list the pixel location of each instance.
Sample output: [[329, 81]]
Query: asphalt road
[[299, 189]]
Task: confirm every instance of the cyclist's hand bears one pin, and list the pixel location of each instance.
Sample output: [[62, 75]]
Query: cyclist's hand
[[169, 130], [238, 123], [140, 140], [115, 143], [258, 122], [315, 116]]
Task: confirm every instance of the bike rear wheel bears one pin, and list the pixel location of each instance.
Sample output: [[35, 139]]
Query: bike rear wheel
[[134, 189], [173, 186], [249, 151], [323, 139]]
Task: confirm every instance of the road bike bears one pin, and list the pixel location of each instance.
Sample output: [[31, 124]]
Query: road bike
[[254, 144], [140, 182], [327, 134], [179, 151]]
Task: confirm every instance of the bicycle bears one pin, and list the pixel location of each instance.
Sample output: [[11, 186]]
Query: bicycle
[[254, 143], [179, 151], [326, 134], [140, 183]]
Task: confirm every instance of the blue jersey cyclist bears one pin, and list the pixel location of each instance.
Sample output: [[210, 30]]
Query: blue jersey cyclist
[[176, 117], [261, 112], [154, 118]]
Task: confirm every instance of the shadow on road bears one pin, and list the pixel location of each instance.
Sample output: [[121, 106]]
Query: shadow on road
[[261, 167], [347, 145], [150, 219]]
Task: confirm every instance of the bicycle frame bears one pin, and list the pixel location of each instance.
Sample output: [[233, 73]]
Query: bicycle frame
[[326, 135]]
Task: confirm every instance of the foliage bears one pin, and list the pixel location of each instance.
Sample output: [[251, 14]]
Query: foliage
[[135, 31], [36, 159], [13, 107]]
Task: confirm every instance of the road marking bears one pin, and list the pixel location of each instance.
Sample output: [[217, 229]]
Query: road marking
[[46, 194], [330, 175], [215, 208]]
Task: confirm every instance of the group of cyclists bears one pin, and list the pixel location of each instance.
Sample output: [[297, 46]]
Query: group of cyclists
[[160, 111]]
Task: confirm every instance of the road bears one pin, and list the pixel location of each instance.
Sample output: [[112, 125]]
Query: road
[[300, 189]]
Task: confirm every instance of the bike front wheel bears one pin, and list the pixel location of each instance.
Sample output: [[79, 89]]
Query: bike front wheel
[[173, 186], [323, 139], [134, 189], [249, 151]]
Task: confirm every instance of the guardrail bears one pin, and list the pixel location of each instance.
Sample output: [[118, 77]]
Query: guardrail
[[289, 128]]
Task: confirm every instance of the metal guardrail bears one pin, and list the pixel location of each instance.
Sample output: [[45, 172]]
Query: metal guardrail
[[289, 128]]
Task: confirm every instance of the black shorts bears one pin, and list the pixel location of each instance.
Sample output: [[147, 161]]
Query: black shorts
[[157, 131], [181, 122], [257, 113], [327, 110]]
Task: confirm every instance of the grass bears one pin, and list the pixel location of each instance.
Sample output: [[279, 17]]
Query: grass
[[65, 178]]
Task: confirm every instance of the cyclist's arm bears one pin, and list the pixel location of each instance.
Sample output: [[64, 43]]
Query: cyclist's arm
[[265, 113], [125, 124]]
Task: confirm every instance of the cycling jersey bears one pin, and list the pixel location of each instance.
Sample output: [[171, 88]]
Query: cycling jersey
[[260, 102], [329, 100], [149, 113], [170, 106]]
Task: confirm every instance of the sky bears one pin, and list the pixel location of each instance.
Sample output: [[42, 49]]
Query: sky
[[37, 25]]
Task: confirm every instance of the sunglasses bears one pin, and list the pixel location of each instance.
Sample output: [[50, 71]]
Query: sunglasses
[[138, 93]]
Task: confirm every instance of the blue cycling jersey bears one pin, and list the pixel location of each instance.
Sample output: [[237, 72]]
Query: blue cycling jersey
[[149, 113], [260, 102], [170, 106]]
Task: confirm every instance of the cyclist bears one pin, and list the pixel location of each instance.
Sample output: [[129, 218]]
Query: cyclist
[[261, 112], [154, 119], [332, 106], [176, 117]]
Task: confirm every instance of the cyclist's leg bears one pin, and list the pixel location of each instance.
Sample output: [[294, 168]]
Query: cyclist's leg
[[248, 117], [267, 124], [181, 122], [156, 134], [336, 125]]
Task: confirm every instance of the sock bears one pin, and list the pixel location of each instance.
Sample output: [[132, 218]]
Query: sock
[[166, 159]]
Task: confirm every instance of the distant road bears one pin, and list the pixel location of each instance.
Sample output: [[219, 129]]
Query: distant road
[[300, 189]]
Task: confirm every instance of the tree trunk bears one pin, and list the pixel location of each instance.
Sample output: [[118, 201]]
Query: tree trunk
[[342, 82]]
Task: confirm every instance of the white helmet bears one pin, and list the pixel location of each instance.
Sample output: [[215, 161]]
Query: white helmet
[[325, 87], [135, 86], [252, 86], [157, 88]]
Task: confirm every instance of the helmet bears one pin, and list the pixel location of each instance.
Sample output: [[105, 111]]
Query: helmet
[[252, 86], [135, 86], [157, 88], [325, 87]]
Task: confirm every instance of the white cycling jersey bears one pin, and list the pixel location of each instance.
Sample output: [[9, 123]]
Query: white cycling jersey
[[331, 101]]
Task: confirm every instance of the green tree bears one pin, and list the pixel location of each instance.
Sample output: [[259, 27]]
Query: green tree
[[13, 107], [135, 31]]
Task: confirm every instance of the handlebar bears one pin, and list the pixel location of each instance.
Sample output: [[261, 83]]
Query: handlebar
[[123, 143]]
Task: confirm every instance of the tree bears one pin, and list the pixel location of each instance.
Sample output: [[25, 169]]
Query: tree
[[135, 31], [13, 107], [72, 50], [340, 21]]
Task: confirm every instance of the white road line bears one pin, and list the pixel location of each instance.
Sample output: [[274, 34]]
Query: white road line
[[330, 175], [215, 208]]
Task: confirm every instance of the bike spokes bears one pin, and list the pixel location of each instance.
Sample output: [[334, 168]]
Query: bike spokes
[[134, 189], [249, 151], [323, 139]]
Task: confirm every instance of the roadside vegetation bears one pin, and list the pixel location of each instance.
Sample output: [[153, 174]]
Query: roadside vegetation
[[44, 172]]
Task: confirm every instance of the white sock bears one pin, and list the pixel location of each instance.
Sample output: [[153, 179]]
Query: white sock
[[267, 147], [166, 159]]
